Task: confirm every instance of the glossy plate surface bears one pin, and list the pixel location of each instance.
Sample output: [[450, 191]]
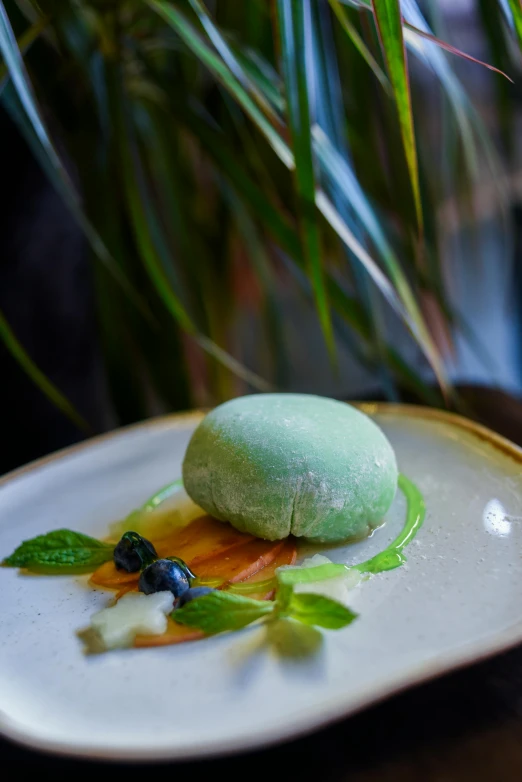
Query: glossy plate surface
[[458, 599]]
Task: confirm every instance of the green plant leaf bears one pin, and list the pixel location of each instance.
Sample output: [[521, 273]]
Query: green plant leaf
[[38, 377], [260, 262], [453, 50], [351, 31], [206, 98], [408, 310], [262, 74], [60, 551], [232, 61], [312, 609], [153, 246], [280, 227], [330, 118], [389, 24], [24, 42], [415, 323], [516, 11], [204, 53], [293, 22], [418, 329], [220, 612], [399, 295]]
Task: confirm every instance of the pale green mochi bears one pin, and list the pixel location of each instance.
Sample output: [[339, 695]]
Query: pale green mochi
[[275, 464]]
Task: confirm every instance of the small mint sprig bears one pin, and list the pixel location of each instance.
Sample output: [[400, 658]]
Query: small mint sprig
[[61, 551], [220, 612]]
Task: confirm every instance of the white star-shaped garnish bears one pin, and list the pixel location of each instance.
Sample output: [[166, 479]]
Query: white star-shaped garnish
[[337, 588], [134, 614]]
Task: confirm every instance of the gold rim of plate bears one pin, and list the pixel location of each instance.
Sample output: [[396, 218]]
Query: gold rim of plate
[[370, 408]]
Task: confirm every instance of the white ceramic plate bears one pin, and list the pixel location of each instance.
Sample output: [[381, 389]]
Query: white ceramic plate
[[458, 599]]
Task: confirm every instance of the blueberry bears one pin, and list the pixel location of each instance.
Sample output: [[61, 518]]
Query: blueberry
[[133, 552], [192, 594], [183, 565], [164, 576]]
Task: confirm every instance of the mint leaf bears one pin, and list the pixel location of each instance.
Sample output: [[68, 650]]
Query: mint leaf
[[218, 612], [321, 611], [306, 575], [60, 551]]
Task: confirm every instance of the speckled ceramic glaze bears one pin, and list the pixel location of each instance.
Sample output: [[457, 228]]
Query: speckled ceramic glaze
[[457, 599]]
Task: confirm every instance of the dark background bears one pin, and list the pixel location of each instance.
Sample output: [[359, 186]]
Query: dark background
[[46, 296]]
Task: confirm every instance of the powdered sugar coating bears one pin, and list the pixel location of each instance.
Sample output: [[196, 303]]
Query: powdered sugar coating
[[275, 464]]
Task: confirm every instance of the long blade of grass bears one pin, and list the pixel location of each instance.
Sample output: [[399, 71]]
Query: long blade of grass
[[305, 182], [153, 249], [25, 41], [349, 312], [232, 61], [453, 50], [516, 11], [37, 376], [186, 31], [338, 170], [517, 4], [273, 220], [357, 41], [217, 147], [293, 22], [389, 24], [470, 124], [277, 224], [263, 75], [468, 120], [259, 259], [414, 322], [214, 145], [331, 119]]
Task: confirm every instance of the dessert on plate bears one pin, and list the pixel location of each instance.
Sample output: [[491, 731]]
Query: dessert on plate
[[219, 549]]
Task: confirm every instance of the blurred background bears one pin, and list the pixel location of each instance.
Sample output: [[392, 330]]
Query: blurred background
[[205, 198]]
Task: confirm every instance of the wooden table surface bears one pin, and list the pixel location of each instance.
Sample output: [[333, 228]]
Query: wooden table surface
[[464, 727]]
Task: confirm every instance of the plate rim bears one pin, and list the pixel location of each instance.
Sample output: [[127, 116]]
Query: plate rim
[[305, 725], [370, 408]]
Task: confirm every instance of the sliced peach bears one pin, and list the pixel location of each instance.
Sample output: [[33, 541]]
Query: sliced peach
[[175, 634], [126, 588], [108, 575], [241, 562], [202, 539], [213, 550], [286, 556]]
